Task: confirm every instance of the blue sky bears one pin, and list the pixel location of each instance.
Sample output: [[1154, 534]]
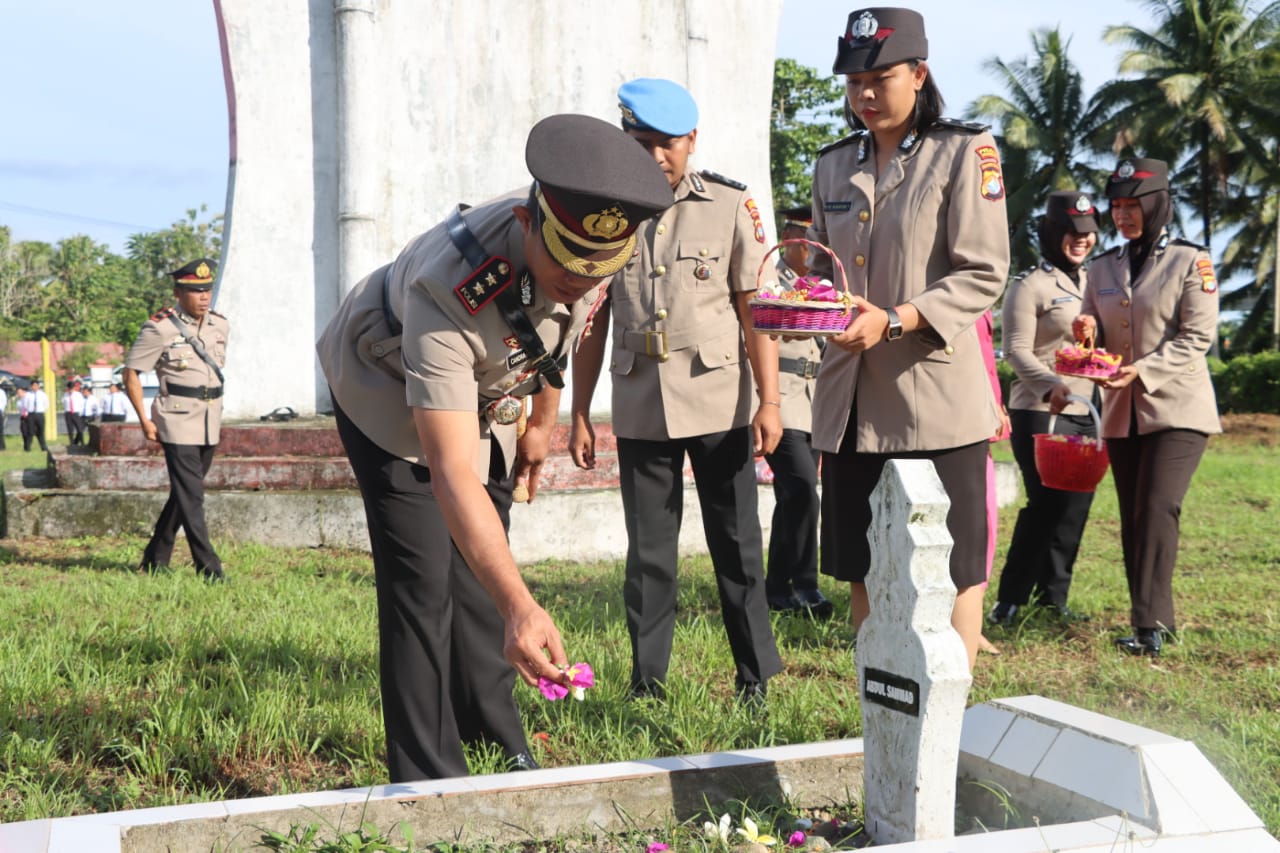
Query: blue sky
[[116, 119]]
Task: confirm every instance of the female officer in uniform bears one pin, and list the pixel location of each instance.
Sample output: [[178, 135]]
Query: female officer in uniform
[[427, 361], [1153, 301], [1038, 311], [914, 206]]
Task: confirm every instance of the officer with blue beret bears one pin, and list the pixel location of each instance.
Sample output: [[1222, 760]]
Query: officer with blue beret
[[429, 361], [683, 363]]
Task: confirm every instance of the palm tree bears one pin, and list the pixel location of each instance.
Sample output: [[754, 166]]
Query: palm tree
[[1191, 96], [1045, 127]]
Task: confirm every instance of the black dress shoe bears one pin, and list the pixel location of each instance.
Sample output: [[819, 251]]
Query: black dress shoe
[[646, 690], [783, 603], [1145, 641], [216, 575], [522, 761], [752, 695], [1003, 613], [1066, 614], [813, 602]]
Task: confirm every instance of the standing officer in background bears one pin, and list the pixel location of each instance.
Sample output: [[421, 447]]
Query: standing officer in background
[[792, 578], [37, 407], [681, 385], [73, 412], [113, 407], [186, 345], [429, 360]]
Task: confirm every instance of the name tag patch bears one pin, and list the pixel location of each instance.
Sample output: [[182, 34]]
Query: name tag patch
[[1108, 291], [1062, 299], [837, 206]]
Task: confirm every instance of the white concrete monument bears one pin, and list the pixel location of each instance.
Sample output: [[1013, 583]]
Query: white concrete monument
[[357, 124], [912, 666]]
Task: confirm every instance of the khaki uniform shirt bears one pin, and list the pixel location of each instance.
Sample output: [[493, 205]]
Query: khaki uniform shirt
[[1038, 309], [797, 390], [679, 363], [161, 347], [1163, 323], [446, 357], [932, 231]]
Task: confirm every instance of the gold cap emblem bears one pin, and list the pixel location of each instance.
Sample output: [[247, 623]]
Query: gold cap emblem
[[608, 223]]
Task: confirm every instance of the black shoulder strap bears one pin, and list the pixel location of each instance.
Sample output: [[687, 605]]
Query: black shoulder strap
[[195, 344], [507, 300]]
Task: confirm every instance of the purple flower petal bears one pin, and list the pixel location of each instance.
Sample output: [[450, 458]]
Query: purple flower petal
[[552, 690], [796, 839]]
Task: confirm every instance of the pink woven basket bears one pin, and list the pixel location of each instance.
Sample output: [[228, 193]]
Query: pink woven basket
[[795, 318]]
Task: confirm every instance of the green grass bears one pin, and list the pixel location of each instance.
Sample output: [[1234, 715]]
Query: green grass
[[126, 691]]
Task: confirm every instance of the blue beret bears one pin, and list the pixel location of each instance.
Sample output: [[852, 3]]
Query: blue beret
[[650, 103]]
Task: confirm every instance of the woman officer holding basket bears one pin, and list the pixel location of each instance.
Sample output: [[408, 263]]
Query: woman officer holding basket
[[913, 205]]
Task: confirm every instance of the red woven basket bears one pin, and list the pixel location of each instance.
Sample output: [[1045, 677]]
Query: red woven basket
[[800, 319], [1074, 463]]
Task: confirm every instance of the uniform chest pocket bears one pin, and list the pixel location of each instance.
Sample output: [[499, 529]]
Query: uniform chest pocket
[[178, 357], [702, 264], [218, 349]]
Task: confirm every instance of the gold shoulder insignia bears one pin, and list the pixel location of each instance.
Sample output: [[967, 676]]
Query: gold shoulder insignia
[[487, 281]]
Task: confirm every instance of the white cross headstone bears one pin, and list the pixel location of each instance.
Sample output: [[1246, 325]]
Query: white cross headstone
[[912, 666]]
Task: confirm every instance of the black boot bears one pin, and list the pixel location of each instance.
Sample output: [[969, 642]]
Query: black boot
[[814, 603], [1145, 641], [522, 761]]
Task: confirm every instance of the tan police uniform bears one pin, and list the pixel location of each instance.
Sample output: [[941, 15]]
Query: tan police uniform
[[682, 383], [1039, 307], [1164, 323], [931, 230], [791, 581], [187, 412], [443, 676]]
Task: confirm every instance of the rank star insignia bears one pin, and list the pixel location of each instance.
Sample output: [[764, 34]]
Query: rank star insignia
[[485, 282]]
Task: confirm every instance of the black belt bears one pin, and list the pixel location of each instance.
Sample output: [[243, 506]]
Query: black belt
[[204, 392], [799, 366]]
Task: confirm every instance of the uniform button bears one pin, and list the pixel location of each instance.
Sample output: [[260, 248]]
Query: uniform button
[[703, 252], [613, 365], [660, 269], [1124, 324], [860, 260], [662, 313], [662, 229], [1124, 303], [664, 357], [728, 356], [377, 349], [950, 350], [863, 216]]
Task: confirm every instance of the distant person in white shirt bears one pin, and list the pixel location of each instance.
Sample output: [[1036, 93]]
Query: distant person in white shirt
[[4, 407], [91, 408], [73, 412], [113, 407], [37, 406]]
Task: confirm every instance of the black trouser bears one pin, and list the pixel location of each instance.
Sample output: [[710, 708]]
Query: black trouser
[[793, 542], [444, 679], [35, 430], [1046, 536], [75, 427], [1152, 474], [3, 416], [652, 479], [188, 465], [849, 478]]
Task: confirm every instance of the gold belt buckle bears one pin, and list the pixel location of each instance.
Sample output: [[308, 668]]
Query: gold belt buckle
[[655, 344]]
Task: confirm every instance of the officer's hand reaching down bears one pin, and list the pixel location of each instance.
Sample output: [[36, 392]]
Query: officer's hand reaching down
[[533, 646]]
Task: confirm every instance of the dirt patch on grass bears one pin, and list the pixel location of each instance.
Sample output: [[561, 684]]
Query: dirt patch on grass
[[1252, 428]]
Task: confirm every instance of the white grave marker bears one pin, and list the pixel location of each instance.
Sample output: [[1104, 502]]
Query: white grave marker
[[912, 666]]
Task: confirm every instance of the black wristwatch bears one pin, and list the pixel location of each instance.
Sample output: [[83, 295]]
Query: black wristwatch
[[895, 325]]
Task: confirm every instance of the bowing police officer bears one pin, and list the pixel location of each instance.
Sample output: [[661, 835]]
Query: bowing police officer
[[684, 356], [429, 361], [186, 345]]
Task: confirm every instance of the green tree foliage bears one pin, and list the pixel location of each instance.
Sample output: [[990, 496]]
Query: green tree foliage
[[1044, 129], [1193, 93], [804, 117]]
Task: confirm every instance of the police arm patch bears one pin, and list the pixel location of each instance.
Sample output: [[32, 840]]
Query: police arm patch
[[1208, 279], [485, 282], [750, 204], [992, 187]]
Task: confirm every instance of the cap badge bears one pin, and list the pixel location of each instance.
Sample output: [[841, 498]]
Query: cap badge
[[1084, 205], [203, 271], [1126, 170], [628, 115], [865, 27], [608, 223]]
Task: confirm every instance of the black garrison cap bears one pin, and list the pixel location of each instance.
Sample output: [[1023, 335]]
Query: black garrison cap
[[878, 38]]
